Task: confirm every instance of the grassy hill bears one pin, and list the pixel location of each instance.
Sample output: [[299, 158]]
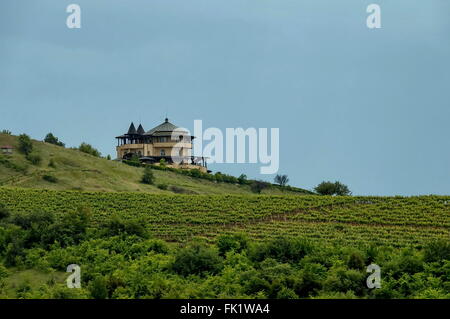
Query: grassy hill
[[75, 170], [138, 241]]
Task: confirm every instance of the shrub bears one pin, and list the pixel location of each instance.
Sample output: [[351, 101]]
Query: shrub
[[135, 158], [281, 180], [329, 188], [437, 251], [50, 138], [25, 144], [163, 186], [4, 212], [116, 225], [50, 178], [88, 149], [131, 163], [356, 261], [312, 277], [179, 190], [344, 280], [242, 179], [51, 163], [98, 288], [148, 177], [197, 259], [258, 186], [227, 243], [282, 249], [34, 158]]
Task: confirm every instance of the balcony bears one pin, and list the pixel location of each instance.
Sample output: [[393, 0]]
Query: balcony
[[172, 144]]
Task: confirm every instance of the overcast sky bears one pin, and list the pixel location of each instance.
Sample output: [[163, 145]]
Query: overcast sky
[[370, 108]]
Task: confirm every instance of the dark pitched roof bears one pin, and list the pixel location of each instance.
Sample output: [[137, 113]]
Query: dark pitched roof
[[6, 147], [140, 130], [162, 129], [132, 129]]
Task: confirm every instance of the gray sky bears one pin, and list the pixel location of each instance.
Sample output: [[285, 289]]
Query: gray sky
[[370, 108]]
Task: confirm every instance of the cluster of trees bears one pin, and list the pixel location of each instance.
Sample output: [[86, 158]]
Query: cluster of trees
[[89, 149], [26, 147], [50, 138], [120, 259]]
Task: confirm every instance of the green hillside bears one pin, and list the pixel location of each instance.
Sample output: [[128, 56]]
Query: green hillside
[[142, 245], [388, 221], [75, 170], [133, 240]]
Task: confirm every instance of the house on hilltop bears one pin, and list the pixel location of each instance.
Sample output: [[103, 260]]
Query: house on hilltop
[[165, 141], [6, 149]]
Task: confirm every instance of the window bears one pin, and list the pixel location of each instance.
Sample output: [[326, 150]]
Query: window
[[163, 153]]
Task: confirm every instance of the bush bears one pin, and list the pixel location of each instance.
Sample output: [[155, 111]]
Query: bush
[[131, 163], [50, 138], [227, 243], [180, 190], [50, 178], [197, 259], [242, 179], [116, 225], [356, 261], [88, 149], [282, 249], [51, 163], [329, 188], [437, 251], [281, 180], [148, 177], [258, 186], [25, 144], [4, 212], [34, 158], [98, 288], [162, 186]]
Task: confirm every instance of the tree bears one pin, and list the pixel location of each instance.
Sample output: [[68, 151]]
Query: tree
[[341, 189], [258, 186], [282, 180], [7, 132], [87, 148], [242, 179], [148, 177], [329, 188], [50, 138], [25, 144]]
